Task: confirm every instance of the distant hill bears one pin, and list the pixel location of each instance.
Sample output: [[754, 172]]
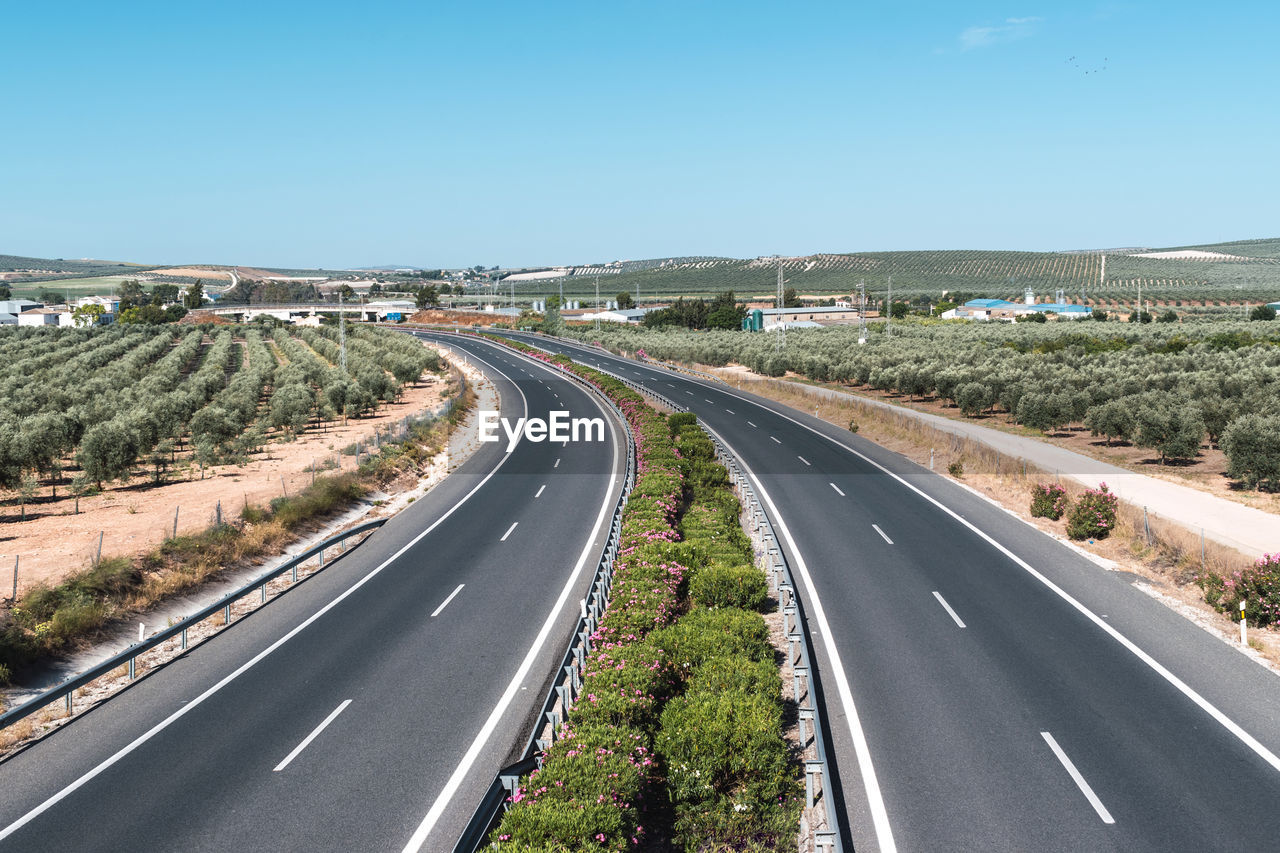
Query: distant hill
[[928, 273], [43, 269]]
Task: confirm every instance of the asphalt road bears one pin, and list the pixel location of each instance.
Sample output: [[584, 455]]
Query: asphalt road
[[987, 687], [370, 700]]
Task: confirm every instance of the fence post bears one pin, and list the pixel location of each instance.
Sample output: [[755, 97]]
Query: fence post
[[98, 558], [218, 515], [15, 578], [1146, 525], [175, 521]]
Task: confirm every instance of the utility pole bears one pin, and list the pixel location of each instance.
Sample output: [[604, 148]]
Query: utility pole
[[888, 308], [342, 334], [782, 329], [862, 311]]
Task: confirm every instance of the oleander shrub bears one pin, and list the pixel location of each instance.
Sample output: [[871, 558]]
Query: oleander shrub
[[1258, 586], [727, 585], [586, 795], [1048, 500], [723, 673], [703, 634], [728, 773], [1094, 515]]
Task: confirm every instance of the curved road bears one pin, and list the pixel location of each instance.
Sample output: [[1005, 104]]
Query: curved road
[[371, 705], [987, 687]]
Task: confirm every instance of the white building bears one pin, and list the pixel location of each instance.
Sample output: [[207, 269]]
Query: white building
[[56, 316]]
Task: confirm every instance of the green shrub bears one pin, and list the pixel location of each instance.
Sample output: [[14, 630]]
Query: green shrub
[[728, 773], [1094, 515], [726, 585], [704, 634], [956, 469], [722, 673], [1048, 500], [1258, 586]]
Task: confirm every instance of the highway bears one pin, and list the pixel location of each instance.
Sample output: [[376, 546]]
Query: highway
[[370, 707], [987, 687]]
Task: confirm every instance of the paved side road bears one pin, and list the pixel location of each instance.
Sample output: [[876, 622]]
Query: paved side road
[[1238, 526]]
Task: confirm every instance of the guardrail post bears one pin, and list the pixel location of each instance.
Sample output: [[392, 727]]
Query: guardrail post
[[69, 702], [184, 638], [798, 674], [789, 621], [263, 590], [812, 779], [132, 668], [824, 841], [322, 558], [226, 615], [806, 717]]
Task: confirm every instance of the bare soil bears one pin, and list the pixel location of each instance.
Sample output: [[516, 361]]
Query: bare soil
[[135, 517]]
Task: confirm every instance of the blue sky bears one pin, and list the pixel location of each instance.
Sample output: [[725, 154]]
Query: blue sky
[[324, 134]]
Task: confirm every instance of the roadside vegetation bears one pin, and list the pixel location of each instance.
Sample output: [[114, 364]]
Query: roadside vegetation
[[49, 620], [676, 738]]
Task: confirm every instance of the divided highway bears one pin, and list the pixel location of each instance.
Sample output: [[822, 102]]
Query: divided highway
[[370, 707], [989, 688]]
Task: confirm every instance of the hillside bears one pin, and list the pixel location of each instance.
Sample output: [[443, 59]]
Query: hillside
[[20, 268], [1254, 276]]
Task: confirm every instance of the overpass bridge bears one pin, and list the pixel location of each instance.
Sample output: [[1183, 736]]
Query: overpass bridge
[[308, 313]]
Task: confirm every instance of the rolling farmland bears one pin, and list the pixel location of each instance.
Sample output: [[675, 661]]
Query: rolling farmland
[[1000, 274]]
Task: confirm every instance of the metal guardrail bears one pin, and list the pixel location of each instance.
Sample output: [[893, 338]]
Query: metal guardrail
[[817, 776], [67, 688], [568, 679]]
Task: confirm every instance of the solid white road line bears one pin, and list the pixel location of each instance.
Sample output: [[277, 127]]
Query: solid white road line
[[882, 534], [947, 607], [805, 461], [333, 715], [837, 488], [513, 527], [538, 493], [1079, 780], [775, 441], [252, 662], [875, 800], [438, 808], [1222, 719], [445, 603]]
